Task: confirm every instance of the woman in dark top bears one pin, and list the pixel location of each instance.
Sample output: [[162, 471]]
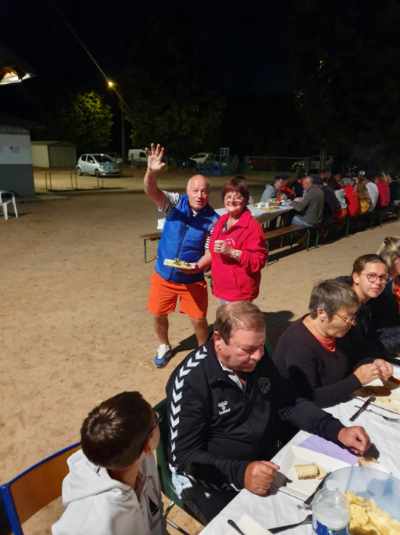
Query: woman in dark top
[[307, 352], [368, 280]]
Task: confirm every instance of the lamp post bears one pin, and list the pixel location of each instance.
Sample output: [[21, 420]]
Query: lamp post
[[111, 85]]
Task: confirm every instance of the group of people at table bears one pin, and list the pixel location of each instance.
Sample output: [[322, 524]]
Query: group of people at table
[[231, 405], [331, 198]]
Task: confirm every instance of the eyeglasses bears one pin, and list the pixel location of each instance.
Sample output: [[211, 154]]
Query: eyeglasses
[[347, 321], [373, 277]]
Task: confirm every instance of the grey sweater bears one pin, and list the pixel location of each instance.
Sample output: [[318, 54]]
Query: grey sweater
[[311, 206]]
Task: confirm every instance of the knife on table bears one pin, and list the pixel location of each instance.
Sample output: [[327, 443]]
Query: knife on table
[[363, 407]]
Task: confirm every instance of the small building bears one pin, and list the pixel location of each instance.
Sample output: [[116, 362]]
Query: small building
[[51, 154], [15, 158]]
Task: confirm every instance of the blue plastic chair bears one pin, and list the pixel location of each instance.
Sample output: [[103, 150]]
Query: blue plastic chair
[[34, 488]]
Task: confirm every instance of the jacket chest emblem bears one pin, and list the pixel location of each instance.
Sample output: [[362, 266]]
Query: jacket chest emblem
[[264, 384], [223, 408]]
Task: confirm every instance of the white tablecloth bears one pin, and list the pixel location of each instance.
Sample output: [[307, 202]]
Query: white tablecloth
[[261, 215], [280, 509]]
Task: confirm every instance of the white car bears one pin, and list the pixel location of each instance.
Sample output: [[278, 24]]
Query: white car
[[203, 157], [97, 164]]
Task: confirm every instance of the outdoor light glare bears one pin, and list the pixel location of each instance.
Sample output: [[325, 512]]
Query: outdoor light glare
[[110, 84], [10, 75]]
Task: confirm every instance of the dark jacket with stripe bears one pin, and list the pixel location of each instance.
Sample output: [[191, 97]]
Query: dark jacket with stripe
[[217, 429]]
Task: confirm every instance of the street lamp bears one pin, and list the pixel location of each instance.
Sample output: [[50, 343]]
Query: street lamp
[[112, 85]]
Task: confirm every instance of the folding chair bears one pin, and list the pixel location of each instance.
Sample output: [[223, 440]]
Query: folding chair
[[163, 468], [34, 488], [6, 198]]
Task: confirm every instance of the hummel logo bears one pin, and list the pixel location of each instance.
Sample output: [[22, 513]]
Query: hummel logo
[[223, 407]]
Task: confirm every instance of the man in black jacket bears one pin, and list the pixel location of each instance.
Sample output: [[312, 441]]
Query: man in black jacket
[[225, 402]]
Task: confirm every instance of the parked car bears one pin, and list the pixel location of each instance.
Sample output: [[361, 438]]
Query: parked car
[[202, 157], [137, 156], [97, 164]]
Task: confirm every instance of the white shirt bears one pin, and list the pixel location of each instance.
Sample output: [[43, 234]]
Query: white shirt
[[373, 192]]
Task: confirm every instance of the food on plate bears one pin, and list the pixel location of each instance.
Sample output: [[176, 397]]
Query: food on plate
[[376, 391], [366, 518], [367, 460], [389, 403], [309, 471], [176, 263]]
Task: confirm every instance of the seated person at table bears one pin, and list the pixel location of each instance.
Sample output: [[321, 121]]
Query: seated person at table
[[225, 404], [308, 355], [368, 280], [112, 487], [386, 308], [278, 190], [311, 206]]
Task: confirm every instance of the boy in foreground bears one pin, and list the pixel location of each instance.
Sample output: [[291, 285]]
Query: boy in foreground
[[113, 487]]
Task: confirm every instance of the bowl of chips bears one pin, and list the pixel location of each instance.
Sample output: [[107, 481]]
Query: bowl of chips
[[373, 498]]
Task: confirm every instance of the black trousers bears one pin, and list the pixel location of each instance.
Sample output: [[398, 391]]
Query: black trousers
[[204, 504]]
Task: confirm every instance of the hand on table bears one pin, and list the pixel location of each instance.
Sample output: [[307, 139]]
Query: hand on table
[[367, 373], [385, 369], [355, 438], [259, 476], [154, 158]]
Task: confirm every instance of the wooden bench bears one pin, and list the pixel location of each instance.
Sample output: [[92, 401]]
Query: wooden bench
[[289, 230], [151, 236]]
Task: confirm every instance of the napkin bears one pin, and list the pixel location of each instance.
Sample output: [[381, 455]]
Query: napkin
[[249, 526], [320, 445]]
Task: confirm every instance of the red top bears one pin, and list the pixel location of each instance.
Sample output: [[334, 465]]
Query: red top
[[384, 193], [353, 202], [238, 279]]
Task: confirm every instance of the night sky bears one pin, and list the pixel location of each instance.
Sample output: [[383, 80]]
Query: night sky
[[241, 50]]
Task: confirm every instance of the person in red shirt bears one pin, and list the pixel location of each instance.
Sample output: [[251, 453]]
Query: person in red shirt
[[353, 201], [237, 247]]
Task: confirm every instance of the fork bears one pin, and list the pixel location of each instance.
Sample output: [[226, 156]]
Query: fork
[[306, 520], [387, 418]]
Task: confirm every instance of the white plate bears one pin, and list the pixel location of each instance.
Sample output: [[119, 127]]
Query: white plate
[[302, 489]]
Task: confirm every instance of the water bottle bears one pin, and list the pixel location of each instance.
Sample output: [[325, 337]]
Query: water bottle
[[330, 513]]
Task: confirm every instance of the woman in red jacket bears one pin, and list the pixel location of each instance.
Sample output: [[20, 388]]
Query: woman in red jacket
[[237, 247]]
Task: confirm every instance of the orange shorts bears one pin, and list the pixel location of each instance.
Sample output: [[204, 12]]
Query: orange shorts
[[193, 297]]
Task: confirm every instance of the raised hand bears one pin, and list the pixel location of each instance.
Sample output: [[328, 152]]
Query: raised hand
[[154, 158]]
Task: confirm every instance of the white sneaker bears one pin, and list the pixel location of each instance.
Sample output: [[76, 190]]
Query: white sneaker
[[164, 353]]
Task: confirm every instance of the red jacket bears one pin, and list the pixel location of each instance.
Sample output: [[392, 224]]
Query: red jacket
[[238, 279], [353, 202], [384, 193]]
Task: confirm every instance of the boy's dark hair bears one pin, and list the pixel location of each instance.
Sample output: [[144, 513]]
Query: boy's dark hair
[[114, 433]]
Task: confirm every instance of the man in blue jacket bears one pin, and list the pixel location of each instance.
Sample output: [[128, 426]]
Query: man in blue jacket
[[188, 223]]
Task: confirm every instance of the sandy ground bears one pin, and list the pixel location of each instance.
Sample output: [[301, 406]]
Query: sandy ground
[[73, 319]]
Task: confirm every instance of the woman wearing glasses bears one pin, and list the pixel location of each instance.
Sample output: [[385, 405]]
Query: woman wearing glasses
[[237, 247], [368, 280], [308, 353]]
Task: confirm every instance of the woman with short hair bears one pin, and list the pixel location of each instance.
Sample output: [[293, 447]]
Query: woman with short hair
[[237, 247], [307, 352]]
